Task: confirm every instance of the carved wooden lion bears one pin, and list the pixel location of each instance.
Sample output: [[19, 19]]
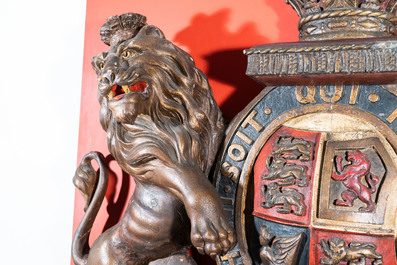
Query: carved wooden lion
[[163, 128], [289, 173], [286, 198], [355, 254]]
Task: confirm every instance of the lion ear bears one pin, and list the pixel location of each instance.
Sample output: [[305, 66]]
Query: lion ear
[[150, 30]]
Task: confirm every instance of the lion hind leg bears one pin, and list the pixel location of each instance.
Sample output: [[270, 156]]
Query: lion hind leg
[[106, 251], [303, 181], [371, 254], [348, 197], [286, 208], [110, 249], [300, 209], [361, 261], [370, 207], [180, 258], [304, 155], [286, 182]]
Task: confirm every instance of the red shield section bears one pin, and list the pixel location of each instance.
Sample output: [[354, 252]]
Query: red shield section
[[283, 176], [329, 247]]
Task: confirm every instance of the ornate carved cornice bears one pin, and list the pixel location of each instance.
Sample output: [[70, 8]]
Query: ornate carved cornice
[[316, 62], [343, 19]]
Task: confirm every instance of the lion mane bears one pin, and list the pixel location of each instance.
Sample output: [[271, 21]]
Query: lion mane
[[181, 113]]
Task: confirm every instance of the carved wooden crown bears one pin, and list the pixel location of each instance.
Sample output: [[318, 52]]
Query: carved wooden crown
[[342, 19], [121, 28]]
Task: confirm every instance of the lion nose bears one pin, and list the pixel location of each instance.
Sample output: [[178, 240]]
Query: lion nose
[[108, 77]]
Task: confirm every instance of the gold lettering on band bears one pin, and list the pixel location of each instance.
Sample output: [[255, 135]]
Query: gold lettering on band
[[236, 152], [335, 97], [251, 121], [392, 116], [308, 98], [229, 171], [244, 137], [354, 94]]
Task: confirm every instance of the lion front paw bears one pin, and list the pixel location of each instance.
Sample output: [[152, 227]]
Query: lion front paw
[[212, 236], [338, 159]]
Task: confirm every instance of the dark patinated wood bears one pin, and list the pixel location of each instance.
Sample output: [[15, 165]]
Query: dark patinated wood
[[163, 128]]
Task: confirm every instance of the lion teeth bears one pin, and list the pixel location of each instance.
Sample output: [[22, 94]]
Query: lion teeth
[[126, 89], [111, 94]]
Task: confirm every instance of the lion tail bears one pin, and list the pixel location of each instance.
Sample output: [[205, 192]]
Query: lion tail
[[372, 181], [93, 188]]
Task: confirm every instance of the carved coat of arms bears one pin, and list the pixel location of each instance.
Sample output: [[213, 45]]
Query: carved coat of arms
[[308, 171]]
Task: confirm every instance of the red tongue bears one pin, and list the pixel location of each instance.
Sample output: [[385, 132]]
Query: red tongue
[[138, 87], [118, 92], [118, 97]]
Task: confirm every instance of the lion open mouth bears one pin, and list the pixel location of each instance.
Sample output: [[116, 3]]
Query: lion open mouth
[[118, 92]]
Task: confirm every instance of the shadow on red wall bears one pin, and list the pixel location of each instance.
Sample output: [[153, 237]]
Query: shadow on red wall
[[287, 22], [117, 201], [224, 66]]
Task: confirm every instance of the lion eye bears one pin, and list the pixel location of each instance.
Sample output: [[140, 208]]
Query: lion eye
[[126, 54]]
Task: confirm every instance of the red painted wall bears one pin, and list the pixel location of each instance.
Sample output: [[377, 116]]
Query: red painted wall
[[214, 32]]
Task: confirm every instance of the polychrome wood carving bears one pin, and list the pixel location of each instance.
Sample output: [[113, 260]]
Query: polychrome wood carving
[[307, 172], [359, 166], [163, 128], [288, 173], [355, 254], [315, 154], [278, 250]]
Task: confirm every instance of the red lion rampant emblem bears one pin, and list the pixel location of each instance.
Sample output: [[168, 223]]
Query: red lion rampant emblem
[[351, 175]]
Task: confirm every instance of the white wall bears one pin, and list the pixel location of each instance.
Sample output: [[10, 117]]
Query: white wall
[[41, 45]]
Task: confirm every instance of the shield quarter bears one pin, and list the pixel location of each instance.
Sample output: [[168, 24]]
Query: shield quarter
[[308, 169], [301, 179]]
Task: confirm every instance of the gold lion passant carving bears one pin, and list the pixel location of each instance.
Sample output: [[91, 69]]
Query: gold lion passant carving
[[289, 173], [292, 148], [163, 128], [285, 198], [355, 254]]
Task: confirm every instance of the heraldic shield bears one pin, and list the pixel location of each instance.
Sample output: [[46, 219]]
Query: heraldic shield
[[312, 182], [308, 170]]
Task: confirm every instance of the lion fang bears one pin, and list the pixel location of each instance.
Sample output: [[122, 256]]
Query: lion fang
[[126, 89]]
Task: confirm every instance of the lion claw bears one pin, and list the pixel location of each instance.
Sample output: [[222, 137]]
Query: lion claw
[[213, 238]]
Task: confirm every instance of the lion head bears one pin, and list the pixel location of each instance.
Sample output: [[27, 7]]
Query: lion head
[[151, 93], [357, 158], [338, 247]]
